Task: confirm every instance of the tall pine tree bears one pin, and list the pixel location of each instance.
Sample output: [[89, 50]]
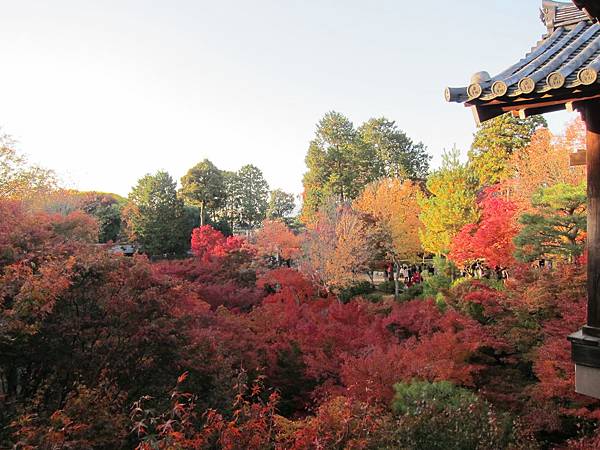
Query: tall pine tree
[[155, 216], [494, 143], [341, 160], [557, 228]]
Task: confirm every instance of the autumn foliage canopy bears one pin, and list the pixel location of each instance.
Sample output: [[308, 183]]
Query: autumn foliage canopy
[[280, 337]]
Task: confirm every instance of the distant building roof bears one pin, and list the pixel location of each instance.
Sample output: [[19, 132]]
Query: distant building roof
[[560, 68]]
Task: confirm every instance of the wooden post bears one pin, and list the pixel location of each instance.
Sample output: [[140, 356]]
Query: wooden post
[[585, 344], [591, 114]]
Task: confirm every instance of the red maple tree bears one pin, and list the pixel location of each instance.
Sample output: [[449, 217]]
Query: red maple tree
[[491, 239]]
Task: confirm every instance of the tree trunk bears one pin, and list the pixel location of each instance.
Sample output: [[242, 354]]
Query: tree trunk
[[371, 278], [12, 381], [201, 214], [396, 270]]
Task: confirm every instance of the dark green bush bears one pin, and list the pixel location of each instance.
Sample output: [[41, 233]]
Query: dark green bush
[[411, 397], [375, 297], [387, 287], [361, 288], [222, 225], [413, 292], [442, 280], [443, 416]]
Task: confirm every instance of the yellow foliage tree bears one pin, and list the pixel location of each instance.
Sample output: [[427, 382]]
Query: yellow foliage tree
[[394, 208], [451, 203]]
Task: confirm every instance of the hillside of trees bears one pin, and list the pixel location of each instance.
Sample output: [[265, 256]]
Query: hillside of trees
[[394, 307]]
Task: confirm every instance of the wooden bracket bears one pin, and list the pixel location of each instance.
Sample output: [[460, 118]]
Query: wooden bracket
[[578, 159]]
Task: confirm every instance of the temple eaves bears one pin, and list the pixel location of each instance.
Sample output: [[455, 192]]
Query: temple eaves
[[561, 69]]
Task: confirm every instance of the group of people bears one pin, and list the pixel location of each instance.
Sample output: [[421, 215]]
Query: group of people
[[409, 274], [415, 273], [479, 270]]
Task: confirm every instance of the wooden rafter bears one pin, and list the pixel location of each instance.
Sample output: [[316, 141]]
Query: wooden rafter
[[591, 7]]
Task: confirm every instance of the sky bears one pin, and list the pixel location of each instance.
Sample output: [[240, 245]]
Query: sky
[[106, 91]]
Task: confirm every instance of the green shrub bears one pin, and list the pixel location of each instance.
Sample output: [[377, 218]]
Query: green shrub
[[411, 293], [374, 297], [477, 298], [361, 288], [493, 283], [411, 397], [460, 281], [222, 225], [441, 280], [442, 416], [388, 287]]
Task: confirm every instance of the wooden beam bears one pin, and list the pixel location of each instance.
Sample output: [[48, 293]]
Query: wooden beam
[[578, 159], [484, 112], [551, 98], [528, 112], [591, 7]]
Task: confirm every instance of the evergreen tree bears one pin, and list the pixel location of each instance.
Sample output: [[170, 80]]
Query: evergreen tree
[[450, 205], [247, 197], [156, 216], [204, 186], [331, 163], [225, 217], [494, 143], [395, 154], [109, 221], [281, 204], [557, 228], [341, 160]]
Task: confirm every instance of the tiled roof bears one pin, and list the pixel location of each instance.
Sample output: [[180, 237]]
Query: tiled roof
[[565, 61]]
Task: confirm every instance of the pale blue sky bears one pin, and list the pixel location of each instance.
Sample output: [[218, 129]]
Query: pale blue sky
[[106, 91]]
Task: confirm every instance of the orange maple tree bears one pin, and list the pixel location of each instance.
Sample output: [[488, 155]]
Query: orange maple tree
[[393, 206], [277, 241], [336, 247], [545, 162]]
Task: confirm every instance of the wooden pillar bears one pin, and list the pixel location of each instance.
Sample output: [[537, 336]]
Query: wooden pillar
[[591, 114], [585, 344]]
